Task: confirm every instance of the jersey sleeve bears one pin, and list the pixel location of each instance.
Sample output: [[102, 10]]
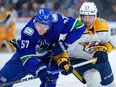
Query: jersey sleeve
[[107, 39], [77, 28], [28, 56], [70, 27], [27, 44]]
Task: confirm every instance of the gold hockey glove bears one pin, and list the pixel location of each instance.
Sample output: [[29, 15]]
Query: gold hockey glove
[[63, 62], [101, 48]]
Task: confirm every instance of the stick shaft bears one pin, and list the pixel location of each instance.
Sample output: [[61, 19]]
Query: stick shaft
[[84, 63], [77, 65]]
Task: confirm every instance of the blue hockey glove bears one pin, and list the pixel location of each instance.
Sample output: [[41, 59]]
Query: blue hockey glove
[[101, 54], [44, 74], [37, 67]]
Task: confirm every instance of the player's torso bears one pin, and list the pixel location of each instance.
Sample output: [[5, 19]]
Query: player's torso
[[42, 43], [84, 47]]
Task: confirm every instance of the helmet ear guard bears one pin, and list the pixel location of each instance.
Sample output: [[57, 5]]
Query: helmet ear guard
[[44, 16], [88, 8]]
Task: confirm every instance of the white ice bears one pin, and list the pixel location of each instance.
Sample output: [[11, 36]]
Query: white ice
[[63, 81]]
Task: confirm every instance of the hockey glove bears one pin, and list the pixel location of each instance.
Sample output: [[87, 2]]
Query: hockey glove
[[44, 74], [101, 54], [67, 72], [63, 63]]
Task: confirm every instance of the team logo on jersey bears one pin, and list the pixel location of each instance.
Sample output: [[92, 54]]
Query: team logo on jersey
[[89, 47], [42, 46], [29, 31]]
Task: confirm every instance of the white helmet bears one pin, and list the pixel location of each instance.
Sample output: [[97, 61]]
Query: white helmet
[[88, 8]]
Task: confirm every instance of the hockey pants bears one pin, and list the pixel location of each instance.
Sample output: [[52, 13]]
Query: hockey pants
[[104, 69]]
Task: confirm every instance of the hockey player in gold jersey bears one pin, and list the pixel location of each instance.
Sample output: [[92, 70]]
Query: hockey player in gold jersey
[[95, 42], [7, 27]]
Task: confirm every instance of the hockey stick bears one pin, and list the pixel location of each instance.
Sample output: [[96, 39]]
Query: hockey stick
[[93, 60], [5, 19], [49, 65]]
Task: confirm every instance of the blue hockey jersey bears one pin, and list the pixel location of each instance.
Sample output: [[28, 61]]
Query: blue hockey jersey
[[32, 45]]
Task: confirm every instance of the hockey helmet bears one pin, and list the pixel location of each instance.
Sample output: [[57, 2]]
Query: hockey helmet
[[88, 8], [44, 16]]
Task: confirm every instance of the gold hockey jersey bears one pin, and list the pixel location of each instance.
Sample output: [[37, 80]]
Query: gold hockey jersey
[[84, 48]]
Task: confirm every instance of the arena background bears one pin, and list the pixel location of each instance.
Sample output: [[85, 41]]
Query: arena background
[[25, 9]]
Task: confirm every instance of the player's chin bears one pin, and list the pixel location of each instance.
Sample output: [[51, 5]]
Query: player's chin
[[41, 33]]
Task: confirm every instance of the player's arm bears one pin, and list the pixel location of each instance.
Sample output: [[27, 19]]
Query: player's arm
[[6, 19], [29, 59], [102, 50], [61, 57], [10, 19], [33, 64], [76, 29], [107, 44]]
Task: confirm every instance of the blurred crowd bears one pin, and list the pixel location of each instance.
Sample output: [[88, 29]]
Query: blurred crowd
[[27, 8], [24, 9]]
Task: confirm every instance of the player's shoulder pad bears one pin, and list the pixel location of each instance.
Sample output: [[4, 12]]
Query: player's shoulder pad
[[28, 31], [101, 24]]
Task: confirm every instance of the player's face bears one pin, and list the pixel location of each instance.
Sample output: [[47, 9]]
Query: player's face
[[88, 20], [41, 28]]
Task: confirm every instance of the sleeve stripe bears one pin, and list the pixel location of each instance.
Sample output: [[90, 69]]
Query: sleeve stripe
[[73, 25], [25, 58], [109, 46], [77, 27]]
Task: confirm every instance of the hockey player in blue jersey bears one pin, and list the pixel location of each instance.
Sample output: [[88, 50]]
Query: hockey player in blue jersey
[[38, 38]]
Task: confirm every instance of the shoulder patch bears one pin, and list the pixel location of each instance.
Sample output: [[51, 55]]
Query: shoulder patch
[[55, 17], [29, 31]]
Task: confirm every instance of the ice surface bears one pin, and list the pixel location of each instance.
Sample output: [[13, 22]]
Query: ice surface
[[63, 81]]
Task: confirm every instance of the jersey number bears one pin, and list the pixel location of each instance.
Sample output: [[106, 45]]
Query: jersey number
[[65, 19], [24, 44]]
